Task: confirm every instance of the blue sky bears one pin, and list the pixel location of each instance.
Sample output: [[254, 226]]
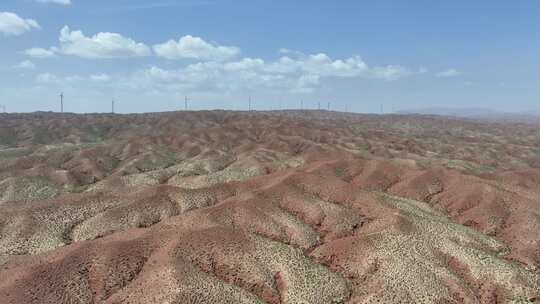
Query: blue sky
[[148, 55]]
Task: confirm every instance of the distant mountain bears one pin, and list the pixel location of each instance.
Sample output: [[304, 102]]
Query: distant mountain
[[479, 113], [458, 112]]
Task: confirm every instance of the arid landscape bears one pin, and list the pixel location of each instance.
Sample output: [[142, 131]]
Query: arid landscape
[[268, 207]]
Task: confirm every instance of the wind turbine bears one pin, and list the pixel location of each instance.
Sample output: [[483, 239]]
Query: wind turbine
[[62, 102]]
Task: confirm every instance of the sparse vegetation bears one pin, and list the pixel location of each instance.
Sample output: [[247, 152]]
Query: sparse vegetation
[[227, 207]]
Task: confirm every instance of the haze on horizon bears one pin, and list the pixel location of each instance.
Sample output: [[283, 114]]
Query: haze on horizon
[[148, 56]]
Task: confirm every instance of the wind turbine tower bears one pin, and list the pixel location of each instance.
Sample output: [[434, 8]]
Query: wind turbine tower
[[62, 102]]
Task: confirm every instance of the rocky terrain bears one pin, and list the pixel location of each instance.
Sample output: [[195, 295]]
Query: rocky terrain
[[268, 207]]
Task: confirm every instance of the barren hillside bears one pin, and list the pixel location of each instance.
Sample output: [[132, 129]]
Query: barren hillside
[[268, 207]]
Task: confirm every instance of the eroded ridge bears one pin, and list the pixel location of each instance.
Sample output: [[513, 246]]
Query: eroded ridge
[[268, 208]]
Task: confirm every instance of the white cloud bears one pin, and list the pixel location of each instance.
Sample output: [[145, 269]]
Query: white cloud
[[306, 83], [100, 77], [46, 78], [39, 53], [195, 48], [49, 78], [393, 72], [298, 75], [244, 64], [63, 2], [324, 66], [12, 24], [449, 73], [284, 51], [101, 45], [26, 64], [321, 64], [289, 52]]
